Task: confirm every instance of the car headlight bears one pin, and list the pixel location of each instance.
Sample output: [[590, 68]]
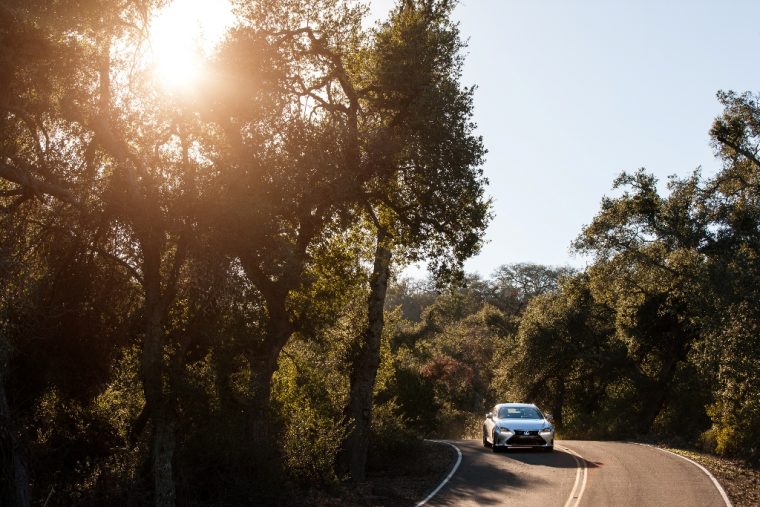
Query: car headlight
[[548, 429], [504, 430]]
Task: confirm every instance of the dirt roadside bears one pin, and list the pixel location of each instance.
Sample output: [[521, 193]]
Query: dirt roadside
[[409, 480]]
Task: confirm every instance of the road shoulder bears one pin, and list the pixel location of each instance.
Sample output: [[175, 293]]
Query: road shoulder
[[737, 478]]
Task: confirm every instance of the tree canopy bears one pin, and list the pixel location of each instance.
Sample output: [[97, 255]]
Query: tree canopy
[[168, 245]]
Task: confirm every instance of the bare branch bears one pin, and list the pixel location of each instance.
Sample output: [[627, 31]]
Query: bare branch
[[37, 186], [328, 106], [12, 193], [121, 262], [372, 215], [33, 127], [252, 269]]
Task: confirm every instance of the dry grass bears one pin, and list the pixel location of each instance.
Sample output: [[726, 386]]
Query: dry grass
[[741, 482]]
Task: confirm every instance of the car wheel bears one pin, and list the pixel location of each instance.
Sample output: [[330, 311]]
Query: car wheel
[[485, 440], [548, 448], [494, 447]]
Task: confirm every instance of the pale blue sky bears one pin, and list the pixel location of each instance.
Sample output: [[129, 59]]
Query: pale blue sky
[[571, 93]]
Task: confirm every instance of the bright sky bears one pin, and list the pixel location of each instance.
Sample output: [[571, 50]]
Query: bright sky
[[571, 93], [181, 33]]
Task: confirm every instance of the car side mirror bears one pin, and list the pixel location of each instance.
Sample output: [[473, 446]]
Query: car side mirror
[[489, 415], [549, 417]]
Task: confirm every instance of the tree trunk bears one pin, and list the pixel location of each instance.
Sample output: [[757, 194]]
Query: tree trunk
[[14, 482], [658, 397], [559, 402], [262, 371], [263, 361], [158, 405], [222, 360], [162, 457], [660, 393], [353, 456]]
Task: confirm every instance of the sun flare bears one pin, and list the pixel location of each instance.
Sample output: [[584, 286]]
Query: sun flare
[[182, 34]]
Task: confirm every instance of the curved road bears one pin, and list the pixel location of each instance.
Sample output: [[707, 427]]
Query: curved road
[[600, 474]]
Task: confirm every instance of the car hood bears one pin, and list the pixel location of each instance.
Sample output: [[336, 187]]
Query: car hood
[[523, 424]]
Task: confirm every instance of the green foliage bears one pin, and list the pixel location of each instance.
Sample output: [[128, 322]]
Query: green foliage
[[657, 337], [421, 128], [513, 286], [390, 438], [681, 272], [444, 372], [121, 400], [686, 415], [737, 403], [563, 357], [310, 408]]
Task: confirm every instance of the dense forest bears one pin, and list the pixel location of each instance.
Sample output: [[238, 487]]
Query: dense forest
[[656, 338], [201, 298]]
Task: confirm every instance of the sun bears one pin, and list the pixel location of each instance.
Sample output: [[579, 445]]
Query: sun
[[182, 34]]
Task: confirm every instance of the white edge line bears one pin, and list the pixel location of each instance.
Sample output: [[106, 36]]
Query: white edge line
[[448, 477], [706, 471], [582, 468], [585, 480], [577, 478]]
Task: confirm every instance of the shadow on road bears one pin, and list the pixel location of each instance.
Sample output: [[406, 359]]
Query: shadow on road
[[482, 484], [515, 477], [556, 459]]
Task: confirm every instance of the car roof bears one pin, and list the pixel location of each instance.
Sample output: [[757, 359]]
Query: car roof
[[516, 405]]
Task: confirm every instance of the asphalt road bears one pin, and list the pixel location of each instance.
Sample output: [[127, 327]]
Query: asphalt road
[[585, 473]]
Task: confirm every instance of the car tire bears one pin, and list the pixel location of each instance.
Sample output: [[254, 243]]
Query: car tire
[[549, 448], [494, 447], [485, 440]]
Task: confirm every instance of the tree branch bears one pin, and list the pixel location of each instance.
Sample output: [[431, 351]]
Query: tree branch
[[121, 262], [26, 180], [740, 150], [33, 126], [180, 254]]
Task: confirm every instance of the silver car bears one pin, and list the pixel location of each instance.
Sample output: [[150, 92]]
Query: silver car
[[517, 425]]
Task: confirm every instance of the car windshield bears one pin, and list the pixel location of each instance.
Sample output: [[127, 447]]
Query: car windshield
[[519, 413]]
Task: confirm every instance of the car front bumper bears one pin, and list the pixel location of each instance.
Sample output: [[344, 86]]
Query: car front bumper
[[523, 438]]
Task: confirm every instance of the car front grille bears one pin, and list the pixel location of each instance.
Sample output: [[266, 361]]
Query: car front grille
[[526, 438]]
